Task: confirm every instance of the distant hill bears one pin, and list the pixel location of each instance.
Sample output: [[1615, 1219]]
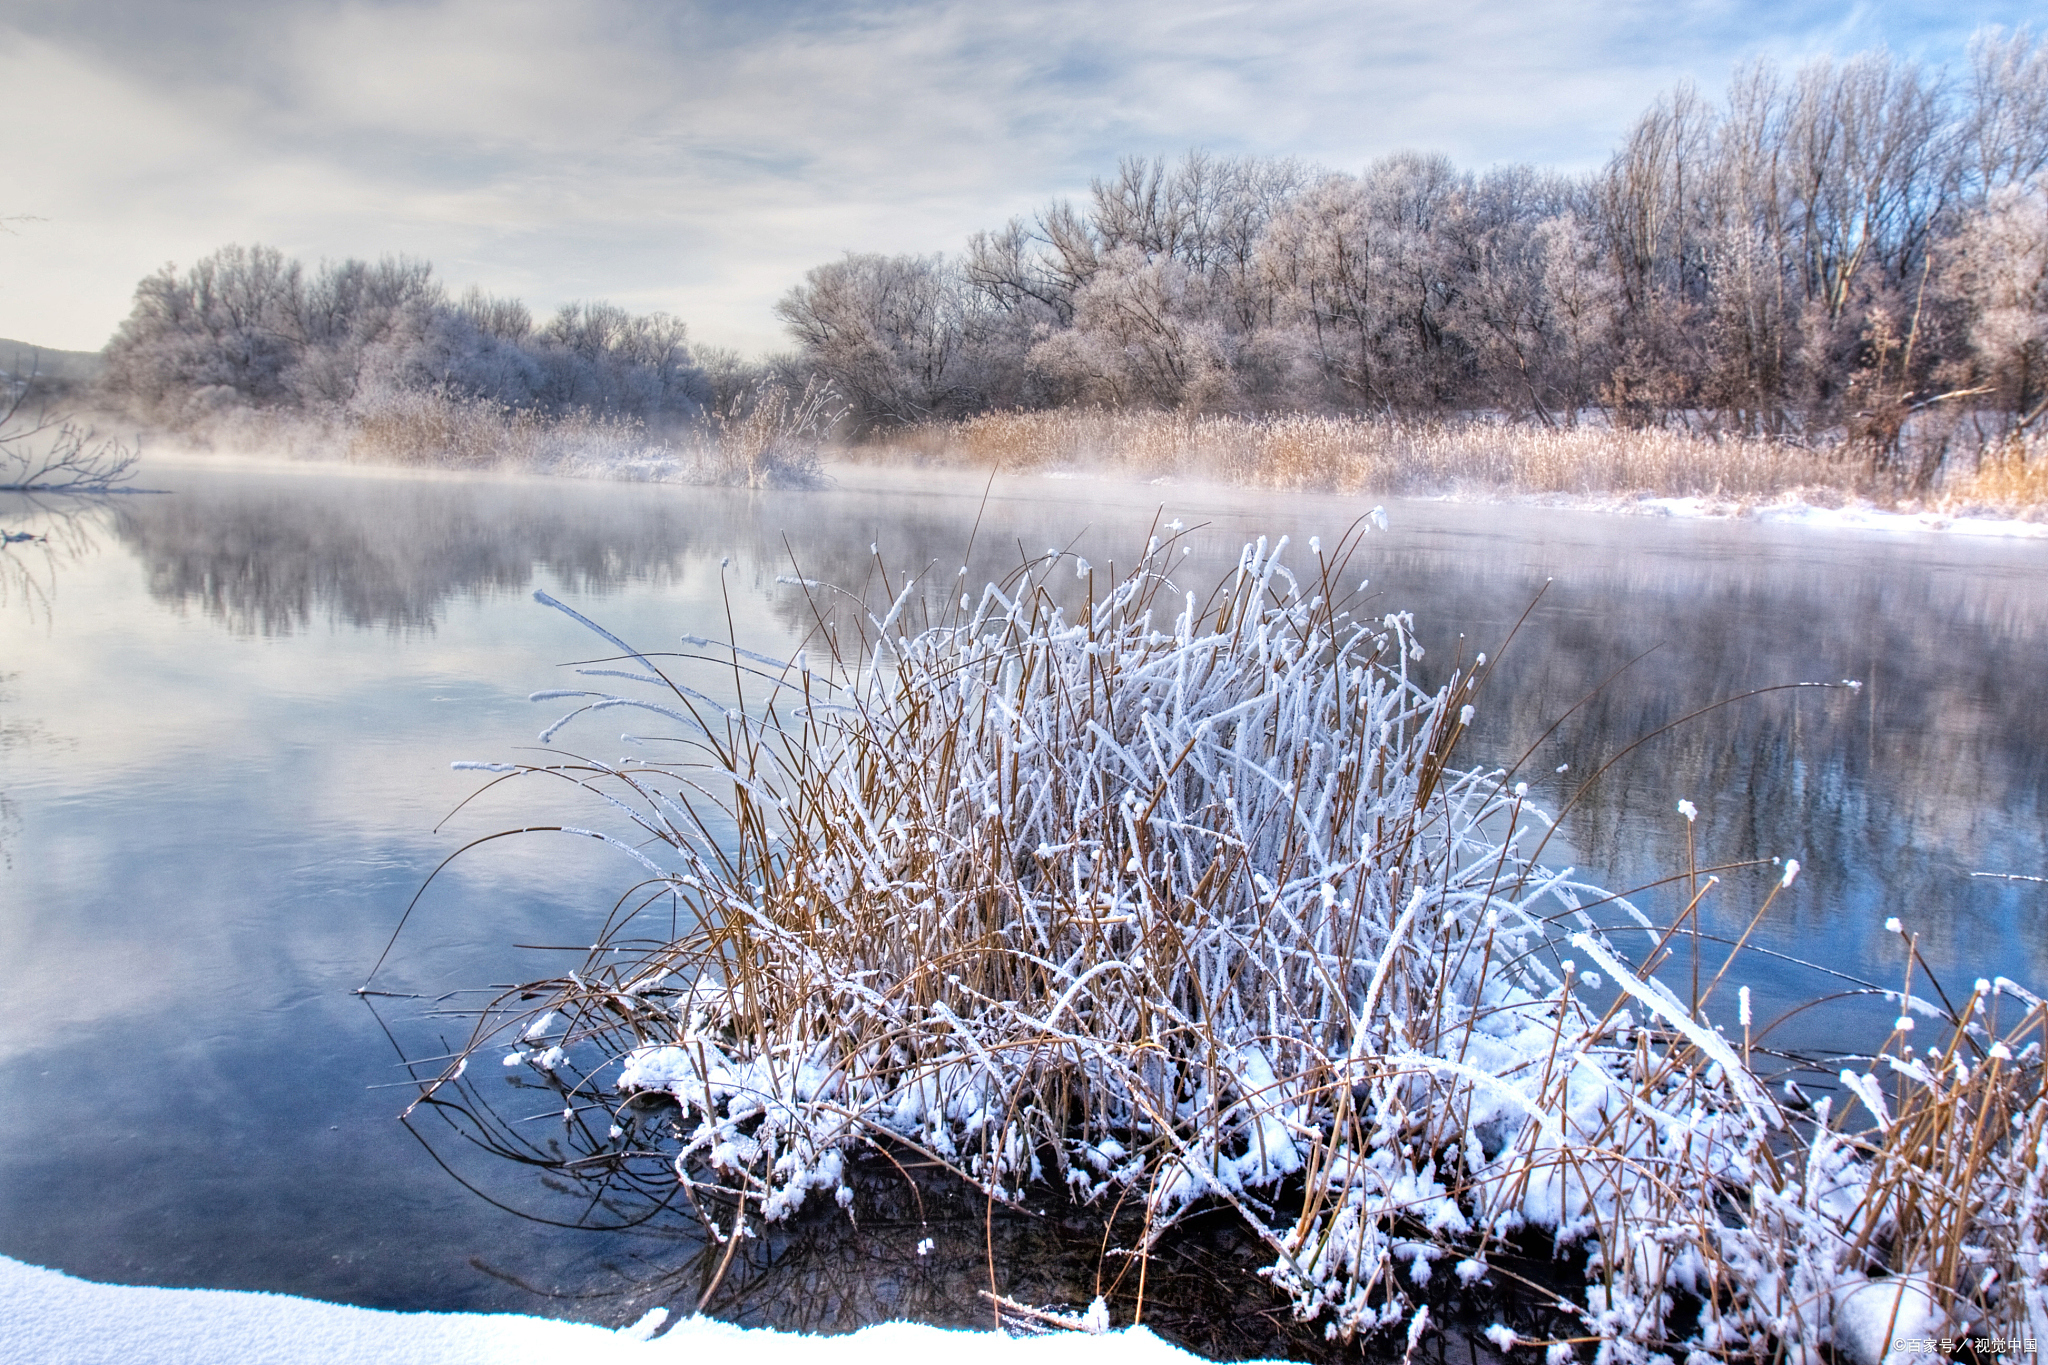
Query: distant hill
[[18, 359]]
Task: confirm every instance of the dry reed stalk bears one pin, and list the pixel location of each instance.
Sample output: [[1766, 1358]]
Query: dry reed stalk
[[410, 428], [774, 442]]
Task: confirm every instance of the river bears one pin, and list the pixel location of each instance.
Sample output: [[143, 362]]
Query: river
[[228, 710]]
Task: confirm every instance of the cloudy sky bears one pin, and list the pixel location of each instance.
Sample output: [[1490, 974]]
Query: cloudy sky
[[699, 157]]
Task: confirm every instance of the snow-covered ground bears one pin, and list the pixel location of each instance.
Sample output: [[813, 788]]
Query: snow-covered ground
[[47, 1318], [1790, 510], [1825, 510], [1862, 516]]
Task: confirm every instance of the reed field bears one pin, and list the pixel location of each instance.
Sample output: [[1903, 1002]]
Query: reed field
[[1470, 458], [2014, 477], [1173, 897]]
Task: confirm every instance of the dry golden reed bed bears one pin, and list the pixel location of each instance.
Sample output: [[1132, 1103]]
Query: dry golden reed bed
[[1378, 455], [2017, 480]]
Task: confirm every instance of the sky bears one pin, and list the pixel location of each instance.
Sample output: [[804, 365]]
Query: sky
[[698, 157]]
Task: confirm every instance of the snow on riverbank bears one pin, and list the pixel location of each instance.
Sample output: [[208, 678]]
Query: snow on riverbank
[[47, 1318], [1856, 516], [1820, 509], [1792, 510]]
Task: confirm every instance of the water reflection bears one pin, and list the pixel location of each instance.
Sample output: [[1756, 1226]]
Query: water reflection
[[223, 750], [1890, 797], [271, 556], [39, 535]]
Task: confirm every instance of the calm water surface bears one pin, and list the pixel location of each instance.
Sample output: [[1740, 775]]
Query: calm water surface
[[227, 713]]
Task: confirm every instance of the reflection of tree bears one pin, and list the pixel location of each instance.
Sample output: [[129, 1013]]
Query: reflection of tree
[[268, 557], [39, 534], [1889, 796]]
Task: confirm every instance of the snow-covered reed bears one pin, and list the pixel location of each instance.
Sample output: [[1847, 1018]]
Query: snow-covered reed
[[1086, 879]]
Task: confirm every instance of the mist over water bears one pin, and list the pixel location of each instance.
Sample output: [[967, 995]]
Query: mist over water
[[227, 713]]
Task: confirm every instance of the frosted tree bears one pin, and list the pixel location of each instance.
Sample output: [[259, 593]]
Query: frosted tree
[[1998, 268], [248, 328], [889, 333]]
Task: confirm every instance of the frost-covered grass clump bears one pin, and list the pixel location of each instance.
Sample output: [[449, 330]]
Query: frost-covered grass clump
[[1089, 880]]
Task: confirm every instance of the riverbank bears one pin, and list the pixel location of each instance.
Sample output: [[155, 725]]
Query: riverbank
[[1590, 466], [1819, 508], [1665, 473]]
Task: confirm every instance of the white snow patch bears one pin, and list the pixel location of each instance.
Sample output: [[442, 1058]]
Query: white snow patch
[[1855, 516], [53, 1319], [1887, 1322]]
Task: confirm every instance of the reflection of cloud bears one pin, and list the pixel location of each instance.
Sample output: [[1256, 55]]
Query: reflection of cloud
[[700, 157], [1890, 796]]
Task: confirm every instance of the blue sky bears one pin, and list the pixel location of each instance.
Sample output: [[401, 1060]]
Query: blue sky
[[699, 157]]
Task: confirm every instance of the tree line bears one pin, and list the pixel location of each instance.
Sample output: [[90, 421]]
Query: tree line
[[248, 327], [1838, 248], [1850, 249]]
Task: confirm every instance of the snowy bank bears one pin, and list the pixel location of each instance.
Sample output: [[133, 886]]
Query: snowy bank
[[52, 1319], [1851, 516], [1821, 509]]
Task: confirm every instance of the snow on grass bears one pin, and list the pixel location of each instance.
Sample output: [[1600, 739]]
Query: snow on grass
[[1175, 898], [1874, 1319], [47, 1318]]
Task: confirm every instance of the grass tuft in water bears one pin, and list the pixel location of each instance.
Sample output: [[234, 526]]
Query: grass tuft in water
[[1176, 900]]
